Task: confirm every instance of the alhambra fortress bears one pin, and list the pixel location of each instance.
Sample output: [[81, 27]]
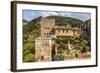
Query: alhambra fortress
[[49, 32]]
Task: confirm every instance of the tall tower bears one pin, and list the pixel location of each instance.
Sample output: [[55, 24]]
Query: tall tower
[[43, 47], [43, 44], [46, 25]]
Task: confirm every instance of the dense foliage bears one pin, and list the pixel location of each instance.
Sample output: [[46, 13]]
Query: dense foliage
[[30, 32]]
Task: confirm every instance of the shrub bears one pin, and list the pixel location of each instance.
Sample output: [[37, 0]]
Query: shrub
[[58, 57]]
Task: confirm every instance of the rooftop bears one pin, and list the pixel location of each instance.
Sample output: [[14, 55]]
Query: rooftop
[[66, 27]]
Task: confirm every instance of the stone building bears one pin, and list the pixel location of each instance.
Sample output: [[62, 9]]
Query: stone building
[[66, 31], [46, 26], [43, 48]]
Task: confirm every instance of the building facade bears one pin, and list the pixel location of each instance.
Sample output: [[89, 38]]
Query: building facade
[[43, 48], [46, 26], [66, 31]]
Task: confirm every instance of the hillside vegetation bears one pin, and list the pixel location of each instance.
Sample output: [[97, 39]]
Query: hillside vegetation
[[32, 30]]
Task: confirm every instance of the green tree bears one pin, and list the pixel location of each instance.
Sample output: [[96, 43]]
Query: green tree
[[58, 57], [28, 52], [29, 58]]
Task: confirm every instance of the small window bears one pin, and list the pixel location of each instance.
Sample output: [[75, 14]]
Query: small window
[[63, 31], [66, 30]]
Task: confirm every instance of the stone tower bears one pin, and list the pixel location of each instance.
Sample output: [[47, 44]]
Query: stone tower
[[43, 47], [46, 25], [43, 43]]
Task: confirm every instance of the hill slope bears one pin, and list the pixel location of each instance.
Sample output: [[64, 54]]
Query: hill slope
[[63, 21]]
